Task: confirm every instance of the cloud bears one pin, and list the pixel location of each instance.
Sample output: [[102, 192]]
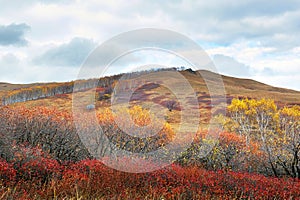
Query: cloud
[[83, 52], [267, 71], [13, 34], [257, 38], [272, 23], [9, 61], [290, 81], [14, 69], [70, 54], [21, 4], [9, 67], [54, 1], [268, 22], [229, 66]]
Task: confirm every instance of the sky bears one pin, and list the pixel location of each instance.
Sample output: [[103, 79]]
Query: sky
[[49, 40]]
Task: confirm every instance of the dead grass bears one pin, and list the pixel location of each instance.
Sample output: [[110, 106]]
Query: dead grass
[[159, 94]]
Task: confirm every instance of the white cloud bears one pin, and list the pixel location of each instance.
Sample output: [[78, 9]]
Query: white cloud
[[229, 66], [13, 34], [70, 54], [265, 64], [290, 81]]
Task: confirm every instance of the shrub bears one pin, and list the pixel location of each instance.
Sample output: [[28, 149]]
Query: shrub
[[49, 128]]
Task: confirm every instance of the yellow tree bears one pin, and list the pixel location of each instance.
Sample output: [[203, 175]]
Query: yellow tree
[[239, 112], [135, 129], [289, 158], [257, 120], [266, 126]]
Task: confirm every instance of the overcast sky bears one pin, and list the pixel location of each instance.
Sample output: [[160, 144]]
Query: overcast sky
[[48, 40]]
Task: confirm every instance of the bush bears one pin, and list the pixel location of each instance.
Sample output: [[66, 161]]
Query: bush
[[7, 172], [50, 129], [90, 179], [31, 163]]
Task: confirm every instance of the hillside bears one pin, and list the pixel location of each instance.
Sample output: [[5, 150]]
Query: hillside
[[54, 147], [59, 94], [238, 87]]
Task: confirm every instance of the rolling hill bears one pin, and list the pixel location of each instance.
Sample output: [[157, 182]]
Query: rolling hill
[[230, 170], [60, 94]]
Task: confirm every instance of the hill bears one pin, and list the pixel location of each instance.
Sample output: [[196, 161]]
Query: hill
[[239, 87], [60, 94], [42, 148]]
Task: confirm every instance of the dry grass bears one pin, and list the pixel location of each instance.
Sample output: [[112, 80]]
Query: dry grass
[[234, 88]]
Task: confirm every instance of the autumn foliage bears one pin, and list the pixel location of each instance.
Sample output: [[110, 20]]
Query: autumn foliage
[[50, 129], [89, 179], [275, 130], [254, 157], [146, 132]]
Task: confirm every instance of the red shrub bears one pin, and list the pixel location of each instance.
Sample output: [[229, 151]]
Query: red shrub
[[92, 179], [34, 165], [7, 172]]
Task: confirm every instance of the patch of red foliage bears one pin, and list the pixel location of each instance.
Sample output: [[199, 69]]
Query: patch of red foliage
[[92, 179]]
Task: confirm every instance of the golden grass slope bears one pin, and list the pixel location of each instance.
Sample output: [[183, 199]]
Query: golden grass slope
[[234, 88]]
